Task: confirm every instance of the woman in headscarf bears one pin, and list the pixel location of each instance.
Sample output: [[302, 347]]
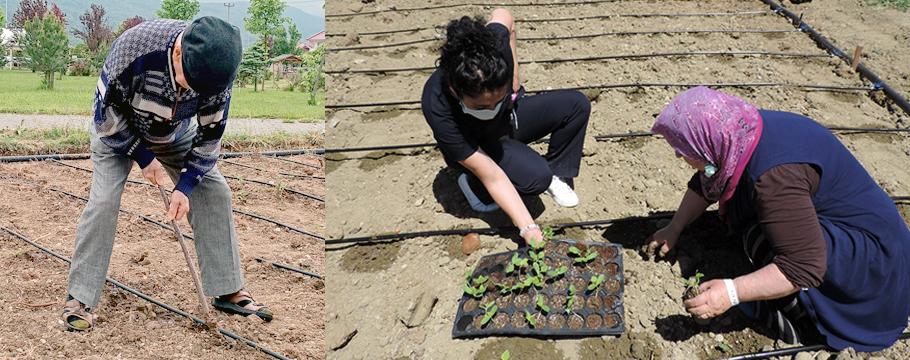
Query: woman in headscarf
[[830, 250], [483, 123]]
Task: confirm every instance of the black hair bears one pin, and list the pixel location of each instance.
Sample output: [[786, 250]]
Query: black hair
[[470, 58]]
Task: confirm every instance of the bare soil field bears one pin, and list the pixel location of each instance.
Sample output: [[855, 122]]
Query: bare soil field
[[147, 257], [376, 288]]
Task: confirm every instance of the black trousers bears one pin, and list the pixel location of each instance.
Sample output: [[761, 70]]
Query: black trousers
[[563, 115]]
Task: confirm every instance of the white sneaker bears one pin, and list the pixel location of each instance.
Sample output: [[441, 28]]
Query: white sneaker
[[562, 193], [472, 198]]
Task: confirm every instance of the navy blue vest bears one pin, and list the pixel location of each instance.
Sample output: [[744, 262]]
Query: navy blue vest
[[864, 299]]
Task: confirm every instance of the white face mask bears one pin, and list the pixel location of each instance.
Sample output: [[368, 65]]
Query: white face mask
[[482, 114]]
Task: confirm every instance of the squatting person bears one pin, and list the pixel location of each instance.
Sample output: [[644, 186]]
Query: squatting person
[[829, 248], [158, 77], [483, 122]]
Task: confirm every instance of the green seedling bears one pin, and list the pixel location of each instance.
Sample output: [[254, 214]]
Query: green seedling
[[517, 262], [506, 355], [489, 311], [548, 233], [595, 282], [582, 258], [570, 301], [557, 271], [692, 283], [542, 305], [724, 347], [530, 318], [476, 287]]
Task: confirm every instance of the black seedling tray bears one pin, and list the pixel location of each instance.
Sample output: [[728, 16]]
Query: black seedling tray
[[600, 311]]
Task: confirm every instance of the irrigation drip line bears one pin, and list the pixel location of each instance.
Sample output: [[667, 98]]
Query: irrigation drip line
[[228, 155], [289, 227], [486, 231], [808, 87], [792, 350], [607, 57], [299, 162], [574, 37], [603, 137], [289, 268], [447, 6], [143, 296], [279, 173], [397, 236], [252, 215], [644, 15], [824, 43], [290, 190]]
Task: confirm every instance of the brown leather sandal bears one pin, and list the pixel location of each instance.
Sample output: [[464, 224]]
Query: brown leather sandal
[[245, 306], [77, 317]]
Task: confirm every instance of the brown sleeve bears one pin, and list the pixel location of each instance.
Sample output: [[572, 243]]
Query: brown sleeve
[[783, 200]]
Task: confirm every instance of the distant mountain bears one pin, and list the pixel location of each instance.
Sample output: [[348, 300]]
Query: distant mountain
[[308, 23]]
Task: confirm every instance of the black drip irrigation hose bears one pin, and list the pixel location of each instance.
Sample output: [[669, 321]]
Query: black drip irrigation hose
[[644, 15], [398, 236], [298, 162], [279, 173], [228, 155], [605, 57], [252, 215], [792, 350], [604, 137], [807, 87], [826, 44], [290, 190], [447, 6], [289, 268], [575, 37], [143, 296]]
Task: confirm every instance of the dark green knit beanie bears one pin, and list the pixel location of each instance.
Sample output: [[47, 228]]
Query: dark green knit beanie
[[211, 54]]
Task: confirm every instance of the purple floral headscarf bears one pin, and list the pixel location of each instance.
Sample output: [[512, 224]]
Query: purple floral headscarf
[[720, 129]]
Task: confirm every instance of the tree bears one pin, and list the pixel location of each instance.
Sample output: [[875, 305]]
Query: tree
[[129, 23], [45, 44], [95, 32], [2, 17], [30, 9], [286, 41], [265, 20], [253, 64], [178, 9], [313, 78]]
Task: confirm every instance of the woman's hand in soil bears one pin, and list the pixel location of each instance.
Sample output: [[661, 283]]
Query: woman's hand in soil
[[664, 239], [155, 173], [180, 206], [712, 301]]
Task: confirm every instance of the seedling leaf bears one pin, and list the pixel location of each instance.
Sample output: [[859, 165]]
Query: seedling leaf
[[574, 251], [510, 268], [542, 305], [480, 280], [595, 282], [506, 355], [490, 311], [557, 271], [530, 318], [724, 347]]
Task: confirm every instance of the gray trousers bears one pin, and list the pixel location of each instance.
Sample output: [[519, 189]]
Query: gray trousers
[[210, 218]]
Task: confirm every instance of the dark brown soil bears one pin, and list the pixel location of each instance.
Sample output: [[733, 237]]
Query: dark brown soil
[[611, 320], [575, 321], [522, 300], [501, 320], [691, 292], [593, 321], [469, 305], [594, 302], [518, 320], [556, 321]]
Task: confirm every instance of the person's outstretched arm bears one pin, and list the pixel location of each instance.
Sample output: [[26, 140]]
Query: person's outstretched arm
[[502, 190]]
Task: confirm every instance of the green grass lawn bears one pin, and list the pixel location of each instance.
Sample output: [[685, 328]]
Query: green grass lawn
[[900, 4], [20, 92]]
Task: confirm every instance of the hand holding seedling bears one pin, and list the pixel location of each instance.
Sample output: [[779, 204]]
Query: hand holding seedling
[[712, 301]]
